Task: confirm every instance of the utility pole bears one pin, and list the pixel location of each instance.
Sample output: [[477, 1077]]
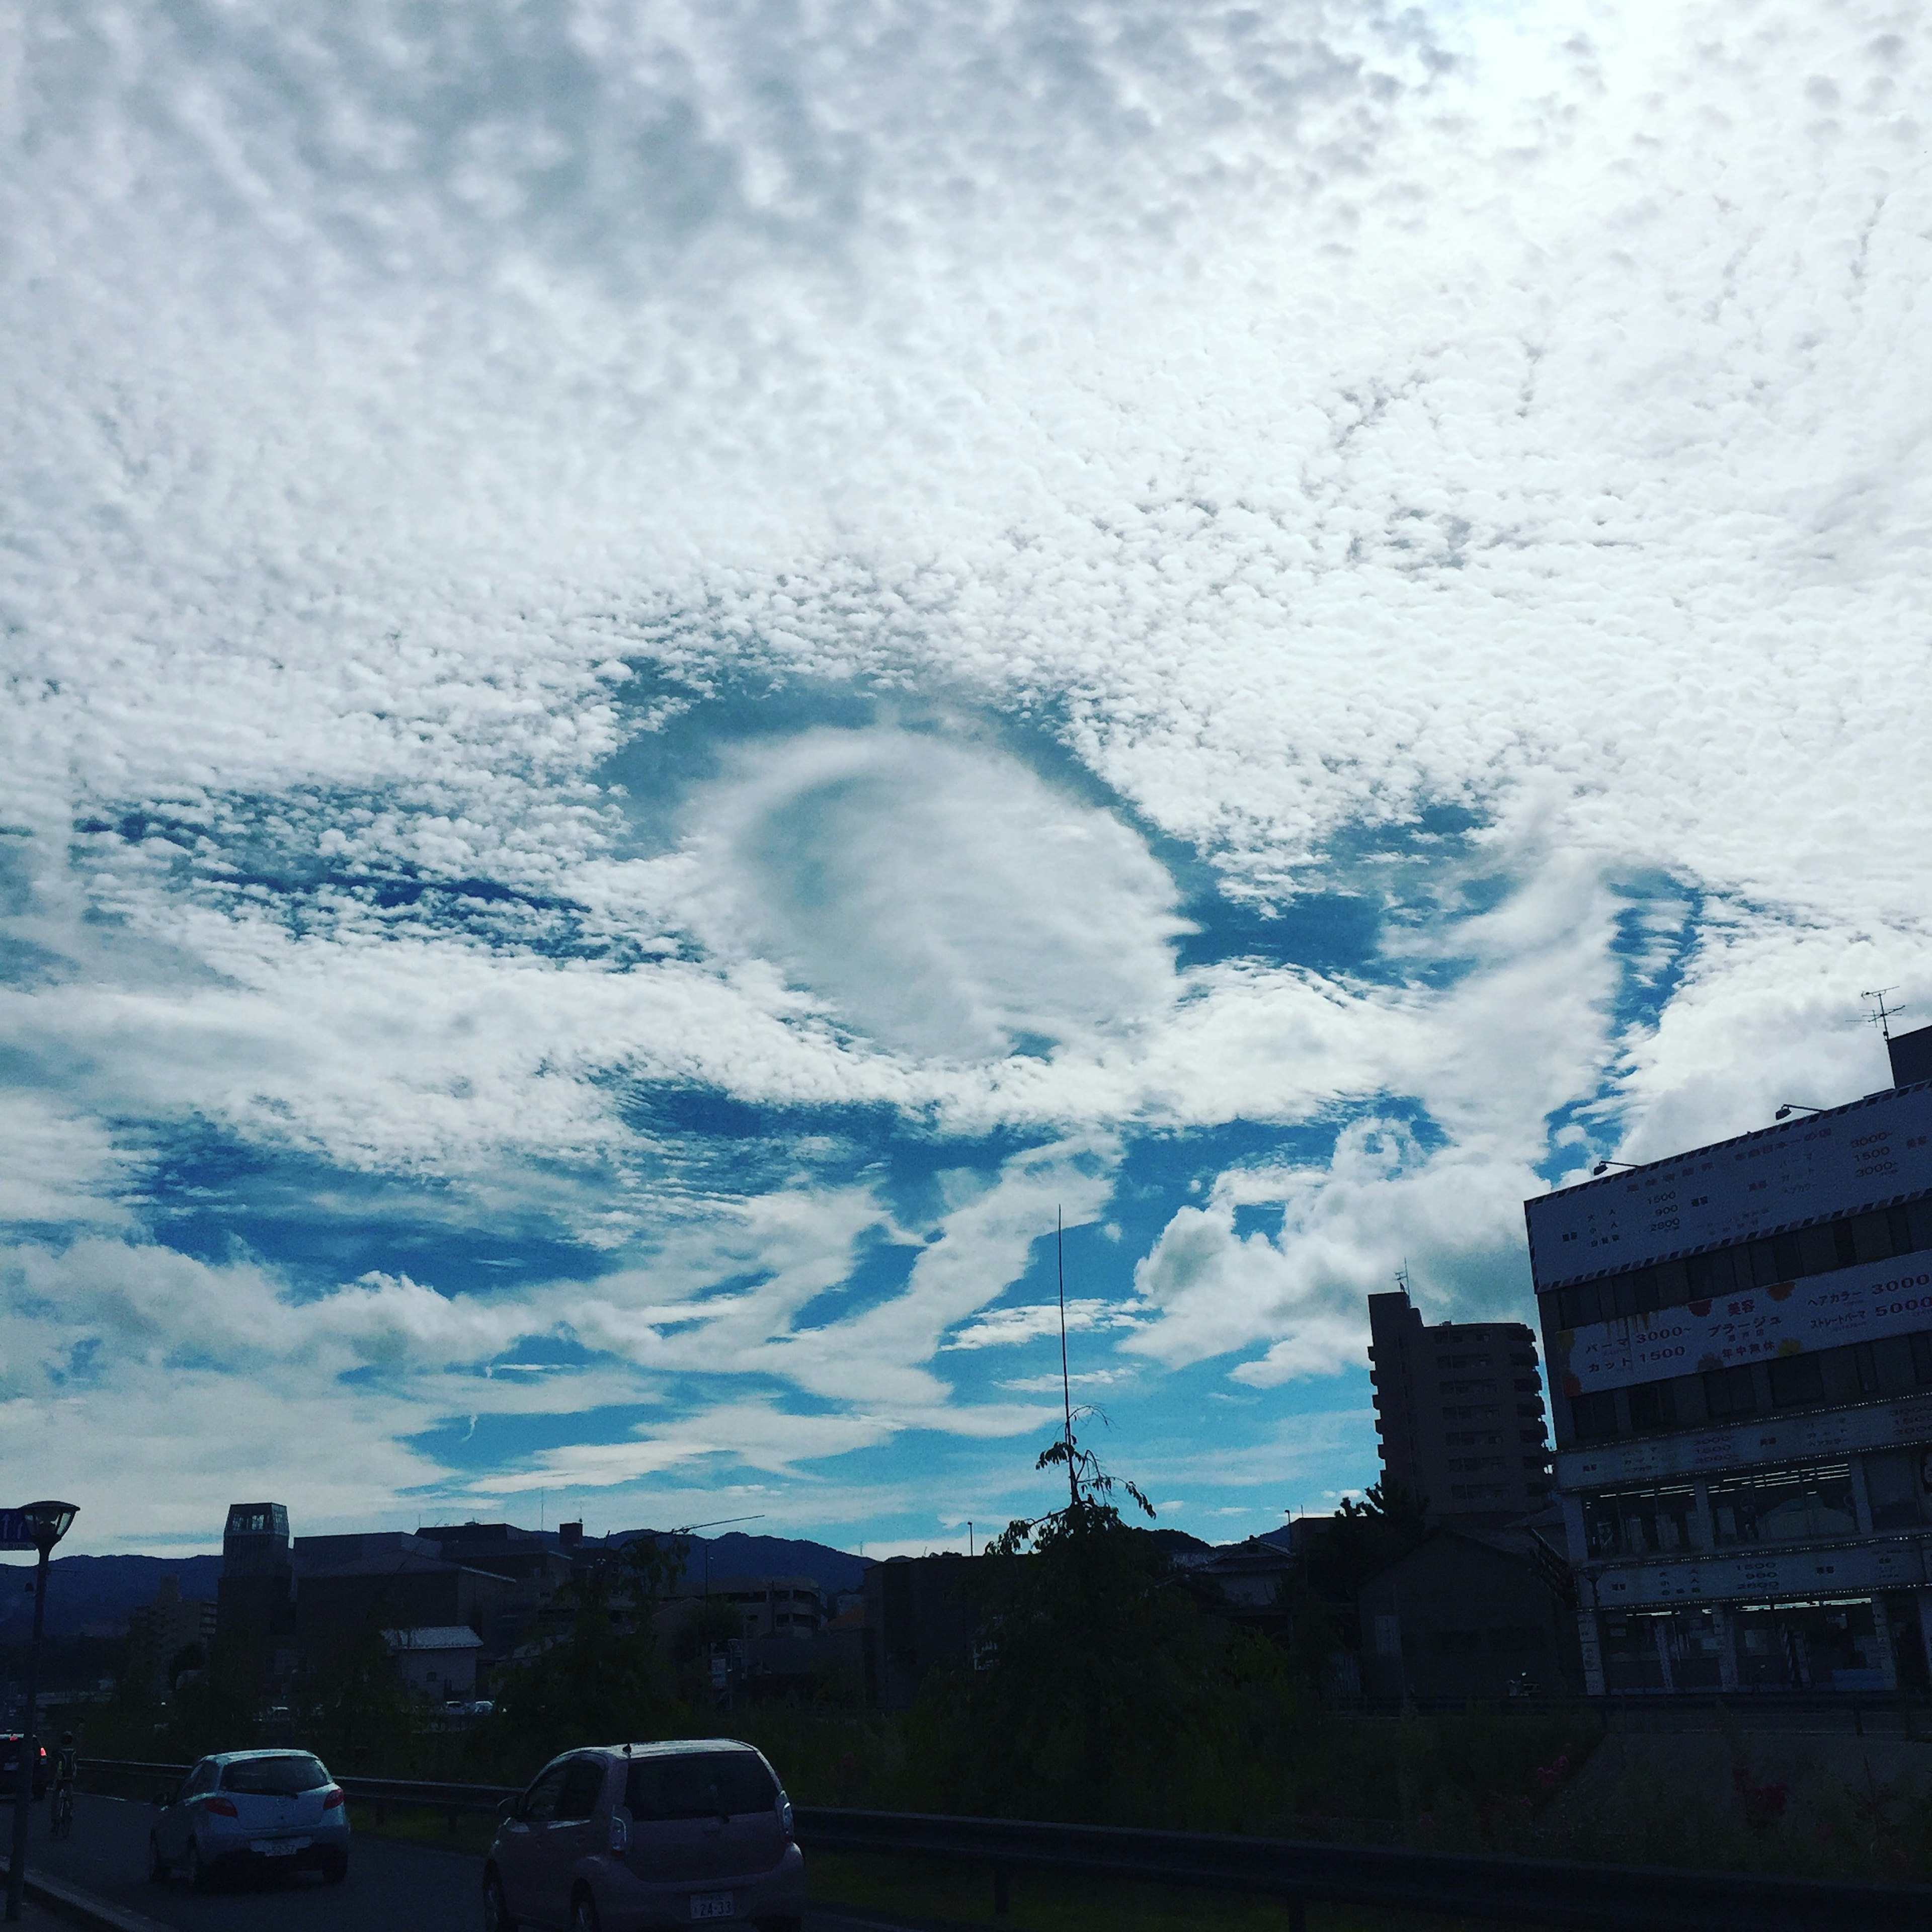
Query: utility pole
[[1065, 1384]]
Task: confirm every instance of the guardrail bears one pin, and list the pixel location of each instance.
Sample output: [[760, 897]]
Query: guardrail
[[1510, 1891], [139, 1779], [1504, 1891]]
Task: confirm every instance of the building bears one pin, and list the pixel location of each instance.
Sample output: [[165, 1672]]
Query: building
[[772, 1605], [408, 1586], [254, 1595], [158, 1634], [919, 1615], [1483, 1613], [437, 1661], [1459, 1411], [1740, 1344]]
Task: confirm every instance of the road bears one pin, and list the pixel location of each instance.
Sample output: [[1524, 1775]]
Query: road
[[392, 1886]]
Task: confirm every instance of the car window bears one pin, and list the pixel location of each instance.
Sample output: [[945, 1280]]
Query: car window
[[582, 1785], [539, 1804], [700, 1784], [275, 1777]]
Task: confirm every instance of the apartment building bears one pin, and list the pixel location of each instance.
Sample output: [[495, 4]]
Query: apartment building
[[1458, 1410], [1740, 1345]]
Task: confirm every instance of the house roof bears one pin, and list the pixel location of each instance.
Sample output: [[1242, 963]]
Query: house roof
[[434, 1636]]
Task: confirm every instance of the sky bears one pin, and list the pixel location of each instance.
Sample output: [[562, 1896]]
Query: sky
[[673, 671]]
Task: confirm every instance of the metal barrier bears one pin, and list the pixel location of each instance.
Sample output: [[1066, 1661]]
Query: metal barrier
[[453, 1801], [1504, 1891], [1511, 1891]]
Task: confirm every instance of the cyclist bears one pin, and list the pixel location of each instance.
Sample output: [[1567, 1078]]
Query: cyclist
[[66, 1769]]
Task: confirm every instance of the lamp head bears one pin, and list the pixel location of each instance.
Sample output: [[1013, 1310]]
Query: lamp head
[[1783, 1114], [49, 1522], [1602, 1167]]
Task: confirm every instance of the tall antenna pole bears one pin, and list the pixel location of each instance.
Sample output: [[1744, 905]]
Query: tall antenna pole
[[1066, 1383]]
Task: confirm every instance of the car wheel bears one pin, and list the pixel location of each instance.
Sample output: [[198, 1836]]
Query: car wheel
[[583, 1913], [197, 1872], [159, 1869], [496, 1914]]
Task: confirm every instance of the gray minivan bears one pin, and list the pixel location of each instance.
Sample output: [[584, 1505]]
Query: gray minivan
[[622, 1837]]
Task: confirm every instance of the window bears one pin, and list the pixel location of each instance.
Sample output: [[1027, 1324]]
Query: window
[[1784, 1505], [1796, 1379], [1578, 1307], [1593, 1416], [1921, 1358], [1640, 1522], [539, 1804], [582, 1785], [1730, 1392], [1652, 1405], [699, 1784], [280, 1777], [1896, 1487]]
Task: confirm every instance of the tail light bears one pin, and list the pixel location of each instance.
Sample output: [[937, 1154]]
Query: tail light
[[332, 1798], [620, 1834], [222, 1807], [785, 1814]]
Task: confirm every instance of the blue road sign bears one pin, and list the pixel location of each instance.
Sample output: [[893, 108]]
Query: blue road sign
[[16, 1532]]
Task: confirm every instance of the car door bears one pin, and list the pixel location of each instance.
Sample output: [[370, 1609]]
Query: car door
[[570, 1836], [177, 1822], [521, 1846]]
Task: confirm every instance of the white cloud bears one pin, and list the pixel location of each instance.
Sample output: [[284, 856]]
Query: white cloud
[[943, 898]]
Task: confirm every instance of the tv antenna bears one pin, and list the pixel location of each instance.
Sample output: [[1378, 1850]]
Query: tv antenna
[[1402, 1275], [1066, 1381], [1882, 1016]]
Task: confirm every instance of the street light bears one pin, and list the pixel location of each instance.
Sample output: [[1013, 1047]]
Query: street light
[[42, 1524], [1604, 1166], [1790, 1107]]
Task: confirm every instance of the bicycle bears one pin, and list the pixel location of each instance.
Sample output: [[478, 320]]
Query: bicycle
[[60, 1824]]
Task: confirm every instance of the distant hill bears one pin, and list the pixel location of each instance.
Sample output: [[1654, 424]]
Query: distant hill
[[736, 1554], [83, 1590]]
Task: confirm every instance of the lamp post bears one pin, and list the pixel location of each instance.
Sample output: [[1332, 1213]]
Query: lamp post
[[43, 1524]]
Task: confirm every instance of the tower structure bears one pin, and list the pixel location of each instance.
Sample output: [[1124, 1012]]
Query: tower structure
[[1458, 1409]]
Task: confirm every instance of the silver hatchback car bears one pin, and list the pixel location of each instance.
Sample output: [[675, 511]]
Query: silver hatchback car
[[267, 1810], [624, 1838]]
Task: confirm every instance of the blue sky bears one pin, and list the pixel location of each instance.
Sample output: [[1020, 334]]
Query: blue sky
[[671, 671]]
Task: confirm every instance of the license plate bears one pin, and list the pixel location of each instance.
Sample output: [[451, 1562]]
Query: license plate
[[278, 1848], [711, 1905]]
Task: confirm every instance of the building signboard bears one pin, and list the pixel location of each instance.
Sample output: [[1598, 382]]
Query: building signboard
[[1789, 1317], [16, 1531], [1792, 1439], [1874, 1152], [1762, 1575]]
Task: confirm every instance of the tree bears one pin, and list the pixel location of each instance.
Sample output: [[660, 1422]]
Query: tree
[[1362, 1537], [1099, 1690]]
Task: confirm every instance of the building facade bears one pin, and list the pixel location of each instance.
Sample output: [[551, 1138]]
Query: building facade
[[1459, 1411], [158, 1633], [1740, 1346]]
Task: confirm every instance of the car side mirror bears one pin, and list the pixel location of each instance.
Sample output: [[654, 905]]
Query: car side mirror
[[509, 1808]]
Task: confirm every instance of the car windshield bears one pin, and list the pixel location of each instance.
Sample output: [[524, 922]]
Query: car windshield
[[275, 1777], [699, 1784]]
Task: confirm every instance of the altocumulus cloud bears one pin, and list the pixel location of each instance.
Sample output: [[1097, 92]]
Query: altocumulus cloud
[[669, 674]]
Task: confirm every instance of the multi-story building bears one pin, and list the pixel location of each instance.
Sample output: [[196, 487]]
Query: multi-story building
[[1460, 1411], [160, 1632], [1740, 1348]]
